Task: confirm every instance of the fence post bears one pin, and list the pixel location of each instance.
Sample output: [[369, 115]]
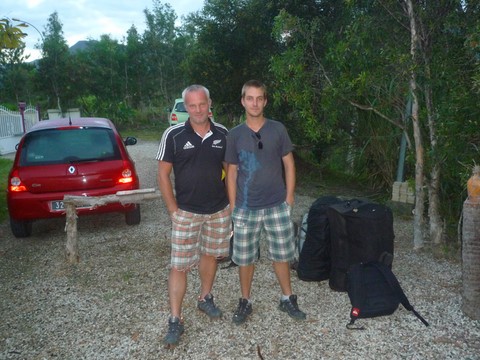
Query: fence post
[[471, 258], [39, 115], [21, 107], [71, 250]]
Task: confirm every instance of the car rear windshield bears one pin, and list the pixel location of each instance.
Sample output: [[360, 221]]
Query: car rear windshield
[[59, 146]]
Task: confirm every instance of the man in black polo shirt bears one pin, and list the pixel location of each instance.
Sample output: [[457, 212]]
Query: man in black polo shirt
[[198, 207]]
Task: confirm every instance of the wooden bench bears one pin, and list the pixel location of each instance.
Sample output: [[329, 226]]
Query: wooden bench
[[72, 201]]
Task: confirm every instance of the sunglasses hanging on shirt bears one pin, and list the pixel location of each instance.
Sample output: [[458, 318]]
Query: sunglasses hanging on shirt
[[259, 138]]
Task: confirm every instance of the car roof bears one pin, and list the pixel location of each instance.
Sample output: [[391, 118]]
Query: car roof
[[73, 122]]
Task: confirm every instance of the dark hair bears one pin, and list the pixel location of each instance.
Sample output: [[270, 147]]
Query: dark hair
[[256, 84]]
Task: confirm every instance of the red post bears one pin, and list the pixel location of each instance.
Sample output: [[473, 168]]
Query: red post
[[22, 106]]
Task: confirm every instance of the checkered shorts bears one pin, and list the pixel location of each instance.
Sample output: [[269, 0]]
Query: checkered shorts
[[248, 226], [196, 234]]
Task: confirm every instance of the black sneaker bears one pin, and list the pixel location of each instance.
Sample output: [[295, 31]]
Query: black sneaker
[[175, 330], [244, 309], [208, 307], [290, 306]]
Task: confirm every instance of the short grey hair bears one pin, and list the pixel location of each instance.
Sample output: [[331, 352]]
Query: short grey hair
[[194, 88]]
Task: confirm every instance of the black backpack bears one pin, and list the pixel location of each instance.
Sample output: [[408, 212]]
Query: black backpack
[[314, 262], [360, 231], [374, 291]]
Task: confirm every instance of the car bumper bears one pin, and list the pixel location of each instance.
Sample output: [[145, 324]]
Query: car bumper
[[28, 206]]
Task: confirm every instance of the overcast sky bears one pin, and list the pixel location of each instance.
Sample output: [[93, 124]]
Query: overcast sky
[[84, 19]]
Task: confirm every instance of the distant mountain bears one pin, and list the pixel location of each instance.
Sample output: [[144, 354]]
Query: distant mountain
[[81, 46]]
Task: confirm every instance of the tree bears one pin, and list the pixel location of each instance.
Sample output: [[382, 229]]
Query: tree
[[419, 217], [54, 65], [10, 36], [364, 69], [101, 75], [161, 57], [16, 79], [105, 71], [15, 76], [440, 62], [372, 55], [135, 69], [232, 44], [341, 74]]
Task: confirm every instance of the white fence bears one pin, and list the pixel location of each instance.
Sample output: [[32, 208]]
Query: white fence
[[70, 113], [13, 125]]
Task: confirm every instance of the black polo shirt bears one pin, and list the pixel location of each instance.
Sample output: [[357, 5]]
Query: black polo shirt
[[197, 166]]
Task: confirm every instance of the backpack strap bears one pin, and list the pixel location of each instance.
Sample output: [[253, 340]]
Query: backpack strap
[[359, 305], [395, 285], [351, 325]]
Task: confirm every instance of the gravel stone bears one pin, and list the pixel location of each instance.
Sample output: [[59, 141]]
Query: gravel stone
[[114, 303]]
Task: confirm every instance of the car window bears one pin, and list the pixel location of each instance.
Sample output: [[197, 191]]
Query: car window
[[180, 107], [57, 146]]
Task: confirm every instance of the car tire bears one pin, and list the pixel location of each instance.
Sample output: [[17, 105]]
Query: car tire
[[133, 217], [21, 228]]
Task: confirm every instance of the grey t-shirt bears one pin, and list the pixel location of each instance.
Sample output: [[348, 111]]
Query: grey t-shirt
[[260, 180]]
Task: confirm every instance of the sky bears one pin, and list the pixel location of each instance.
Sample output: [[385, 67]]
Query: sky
[[86, 19]]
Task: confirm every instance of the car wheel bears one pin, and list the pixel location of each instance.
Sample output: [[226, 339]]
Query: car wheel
[[21, 229], [133, 217]]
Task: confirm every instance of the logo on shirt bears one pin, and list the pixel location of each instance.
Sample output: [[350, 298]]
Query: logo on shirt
[[188, 145], [217, 144]]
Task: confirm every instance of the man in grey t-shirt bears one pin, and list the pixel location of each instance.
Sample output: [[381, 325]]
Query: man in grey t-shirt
[[259, 154]]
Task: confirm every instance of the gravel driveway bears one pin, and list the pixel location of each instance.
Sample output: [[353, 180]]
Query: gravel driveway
[[113, 304]]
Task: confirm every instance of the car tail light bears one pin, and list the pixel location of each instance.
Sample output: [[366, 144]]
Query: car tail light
[[127, 175], [15, 183], [174, 117]]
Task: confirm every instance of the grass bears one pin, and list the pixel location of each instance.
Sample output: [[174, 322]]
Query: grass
[[150, 132], [5, 165]]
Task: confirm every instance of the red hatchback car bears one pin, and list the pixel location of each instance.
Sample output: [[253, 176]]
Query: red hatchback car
[[82, 156]]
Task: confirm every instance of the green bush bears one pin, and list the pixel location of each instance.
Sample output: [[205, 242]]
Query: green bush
[[5, 165]]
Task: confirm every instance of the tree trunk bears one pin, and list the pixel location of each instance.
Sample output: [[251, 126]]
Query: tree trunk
[[419, 217], [436, 221]]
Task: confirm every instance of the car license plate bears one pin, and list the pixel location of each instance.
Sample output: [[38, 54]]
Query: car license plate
[[58, 205]]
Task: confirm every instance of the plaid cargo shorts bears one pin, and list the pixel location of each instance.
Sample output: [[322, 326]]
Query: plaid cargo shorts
[[196, 234], [248, 226]]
